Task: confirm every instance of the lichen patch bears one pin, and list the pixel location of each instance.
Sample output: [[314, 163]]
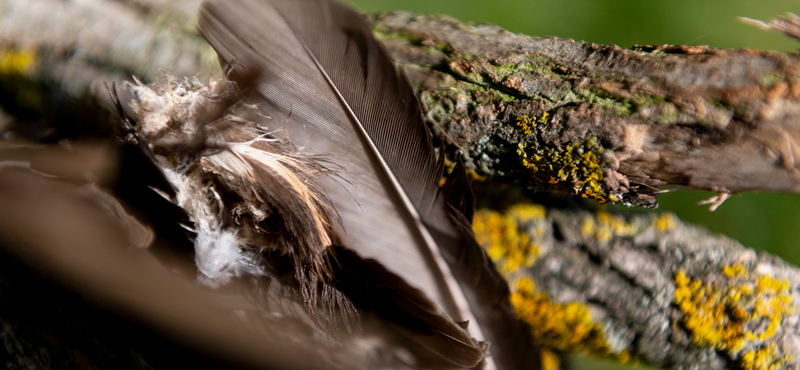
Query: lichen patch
[[509, 247], [576, 168], [739, 313], [17, 62], [561, 326]]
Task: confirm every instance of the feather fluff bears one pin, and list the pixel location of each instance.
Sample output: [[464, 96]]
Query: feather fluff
[[247, 193], [314, 68], [61, 224]]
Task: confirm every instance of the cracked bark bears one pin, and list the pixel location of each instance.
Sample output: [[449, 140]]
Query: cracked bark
[[685, 116], [688, 116], [626, 271]]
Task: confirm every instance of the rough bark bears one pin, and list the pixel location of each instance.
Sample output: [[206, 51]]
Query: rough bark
[[688, 116], [615, 124], [669, 294]]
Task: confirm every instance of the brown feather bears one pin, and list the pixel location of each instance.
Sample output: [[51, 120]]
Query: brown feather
[[79, 236], [316, 66]]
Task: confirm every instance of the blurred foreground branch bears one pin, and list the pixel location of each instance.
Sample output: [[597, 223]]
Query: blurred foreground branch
[[601, 121]]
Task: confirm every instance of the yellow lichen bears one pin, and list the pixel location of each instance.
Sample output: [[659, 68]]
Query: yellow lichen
[[526, 124], [587, 228], [508, 246], [449, 166], [735, 270], [474, 175], [576, 168], [560, 326], [604, 226], [510, 240], [727, 315], [550, 360], [16, 62], [665, 222], [764, 358]]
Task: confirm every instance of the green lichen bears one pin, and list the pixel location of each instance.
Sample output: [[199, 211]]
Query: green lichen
[[490, 96], [475, 77], [716, 104], [565, 96], [642, 101], [577, 168], [620, 106], [449, 89], [444, 47], [503, 71], [769, 79], [667, 117], [539, 66]]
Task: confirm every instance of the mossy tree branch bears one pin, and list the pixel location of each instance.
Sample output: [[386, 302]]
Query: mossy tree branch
[[614, 123], [687, 116]]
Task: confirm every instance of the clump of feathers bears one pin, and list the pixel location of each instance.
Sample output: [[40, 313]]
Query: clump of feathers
[[315, 121], [251, 197]]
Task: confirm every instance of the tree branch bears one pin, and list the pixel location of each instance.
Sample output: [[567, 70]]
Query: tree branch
[[645, 286], [689, 116]]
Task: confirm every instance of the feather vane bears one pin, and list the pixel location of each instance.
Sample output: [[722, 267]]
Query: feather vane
[[314, 67]]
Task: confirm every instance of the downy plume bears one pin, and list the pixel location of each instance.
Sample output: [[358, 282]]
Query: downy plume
[[59, 217], [231, 175]]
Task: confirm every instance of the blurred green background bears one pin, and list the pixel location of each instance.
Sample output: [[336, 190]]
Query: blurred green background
[[762, 221]]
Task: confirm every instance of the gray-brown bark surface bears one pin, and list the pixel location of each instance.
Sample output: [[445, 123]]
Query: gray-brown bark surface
[[619, 124], [656, 289], [691, 116]]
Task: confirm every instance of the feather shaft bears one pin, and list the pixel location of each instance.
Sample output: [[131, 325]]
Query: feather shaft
[[459, 301], [314, 67]]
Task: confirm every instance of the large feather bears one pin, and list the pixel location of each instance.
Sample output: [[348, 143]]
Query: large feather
[[316, 70], [231, 173]]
